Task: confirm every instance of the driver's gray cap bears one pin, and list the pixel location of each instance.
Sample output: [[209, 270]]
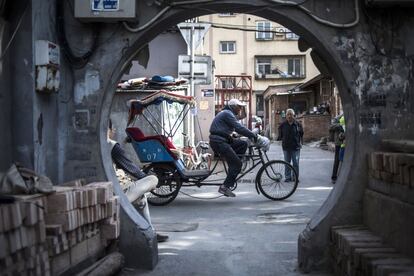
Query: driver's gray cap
[[236, 102]]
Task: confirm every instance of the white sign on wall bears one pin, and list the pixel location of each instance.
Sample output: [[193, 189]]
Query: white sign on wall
[[202, 68], [105, 5]]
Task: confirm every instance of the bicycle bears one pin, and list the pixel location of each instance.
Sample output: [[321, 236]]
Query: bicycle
[[196, 157]]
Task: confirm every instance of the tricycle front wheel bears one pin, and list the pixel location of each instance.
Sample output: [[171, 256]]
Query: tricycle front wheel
[[277, 180]]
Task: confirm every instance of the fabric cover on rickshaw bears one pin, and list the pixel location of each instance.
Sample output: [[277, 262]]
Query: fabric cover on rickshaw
[[138, 136], [137, 106]]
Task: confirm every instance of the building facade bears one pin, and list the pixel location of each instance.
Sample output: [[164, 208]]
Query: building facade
[[248, 45]]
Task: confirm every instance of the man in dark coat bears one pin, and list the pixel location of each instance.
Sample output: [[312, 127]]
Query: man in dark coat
[[291, 135], [338, 136], [221, 141]]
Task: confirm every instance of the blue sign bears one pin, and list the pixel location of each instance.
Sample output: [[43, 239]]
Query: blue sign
[[208, 92], [105, 5]]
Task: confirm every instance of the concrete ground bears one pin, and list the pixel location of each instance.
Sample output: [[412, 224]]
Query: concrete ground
[[246, 235]]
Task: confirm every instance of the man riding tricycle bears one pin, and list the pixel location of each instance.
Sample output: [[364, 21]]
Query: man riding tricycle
[[159, 155]]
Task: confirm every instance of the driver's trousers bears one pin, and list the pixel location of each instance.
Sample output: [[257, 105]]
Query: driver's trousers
[[230, 152]]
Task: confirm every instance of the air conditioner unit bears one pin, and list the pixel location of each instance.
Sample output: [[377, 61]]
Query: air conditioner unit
[[280, 31]]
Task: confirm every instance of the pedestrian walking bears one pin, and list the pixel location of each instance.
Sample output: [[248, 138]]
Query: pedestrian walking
[[228, 147], [291, 135], [338, 134]]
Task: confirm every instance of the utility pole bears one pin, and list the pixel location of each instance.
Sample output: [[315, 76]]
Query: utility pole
[[192, 92], [193, 34]]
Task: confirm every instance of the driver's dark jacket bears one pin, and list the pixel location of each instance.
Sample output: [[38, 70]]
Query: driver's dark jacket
[[224, 124]]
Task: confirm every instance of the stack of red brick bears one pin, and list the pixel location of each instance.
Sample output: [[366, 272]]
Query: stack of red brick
[[357, 251], [23, 248], [79, 223], [392, 167], [52, 234]]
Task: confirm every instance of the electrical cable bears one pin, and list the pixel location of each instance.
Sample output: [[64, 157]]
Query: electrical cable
[[14, 33], [135, 30], [241, 11], [76, 61], [217, 26], [158, 15]]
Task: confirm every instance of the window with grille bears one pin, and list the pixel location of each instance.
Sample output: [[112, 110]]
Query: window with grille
[[264, 30], [263, 66], [294, 67], [279, 67], [227, 47]]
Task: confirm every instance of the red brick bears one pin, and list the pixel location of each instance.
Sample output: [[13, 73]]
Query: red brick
[[377, 161], [79, 252], [390, 162], [110, 231], [4, 248], [386, 176], [60, 263], [60, 202], [95, 244]]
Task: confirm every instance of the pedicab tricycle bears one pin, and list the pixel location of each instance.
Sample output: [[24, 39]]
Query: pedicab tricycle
[[160, 156]]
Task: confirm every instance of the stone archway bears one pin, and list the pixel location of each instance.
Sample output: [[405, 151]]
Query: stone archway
[[342, 51]]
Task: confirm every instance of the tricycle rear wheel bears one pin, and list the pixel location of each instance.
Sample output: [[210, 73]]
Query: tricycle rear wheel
[[169, 184]]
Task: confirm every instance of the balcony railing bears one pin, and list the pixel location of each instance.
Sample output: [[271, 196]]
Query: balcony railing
[[278, 76]]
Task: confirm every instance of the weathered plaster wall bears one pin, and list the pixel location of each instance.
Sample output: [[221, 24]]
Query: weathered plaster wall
[[21, 88], [45, 106], [164, 51], [377, 104], [5, 101], [33, 122], [86, 152]]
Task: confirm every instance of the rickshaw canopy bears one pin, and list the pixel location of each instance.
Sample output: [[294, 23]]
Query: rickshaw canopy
[[137, 107]]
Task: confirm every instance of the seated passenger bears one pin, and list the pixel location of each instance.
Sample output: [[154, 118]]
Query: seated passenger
[[133, 191]]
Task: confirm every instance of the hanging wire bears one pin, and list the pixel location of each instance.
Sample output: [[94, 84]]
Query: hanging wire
[[76, 61], [14, 32]]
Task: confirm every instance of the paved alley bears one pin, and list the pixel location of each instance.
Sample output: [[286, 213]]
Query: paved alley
[[246, 235]]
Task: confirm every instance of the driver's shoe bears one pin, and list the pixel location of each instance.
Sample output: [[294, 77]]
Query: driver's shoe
[[161, 238], [226, 191]]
